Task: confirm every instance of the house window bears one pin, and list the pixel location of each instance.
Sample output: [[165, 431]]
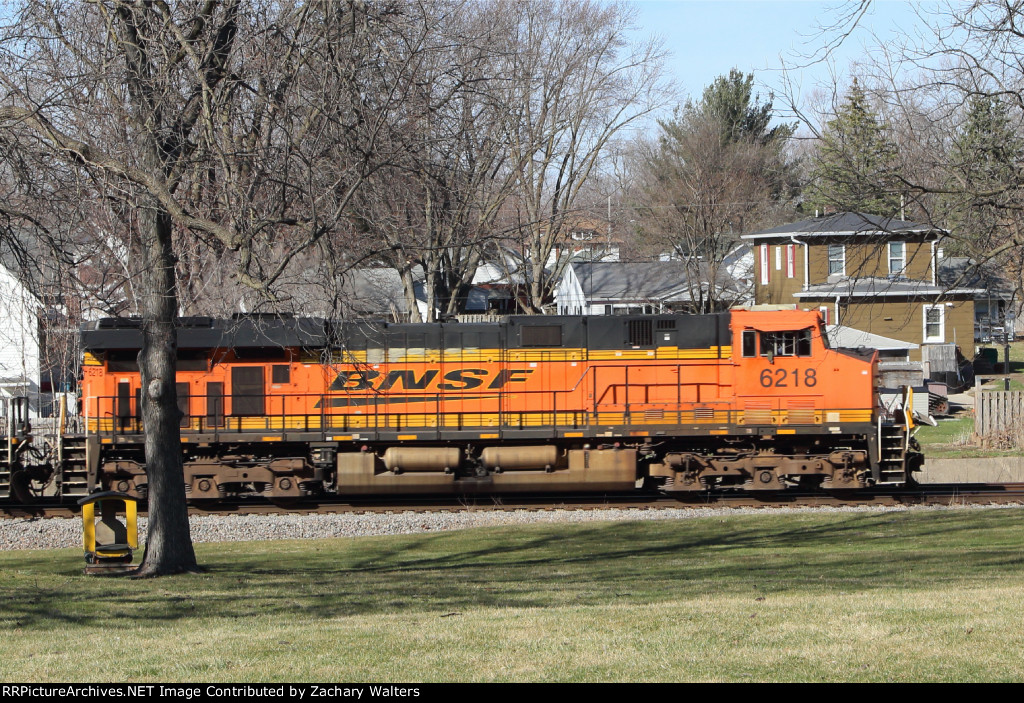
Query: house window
[[897, 257], [836, 260], [765, 269], [790, 260], [934, 323], [825, 317], [778, 258]]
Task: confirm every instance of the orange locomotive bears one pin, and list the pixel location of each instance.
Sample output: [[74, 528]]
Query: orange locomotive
[[291, 407]]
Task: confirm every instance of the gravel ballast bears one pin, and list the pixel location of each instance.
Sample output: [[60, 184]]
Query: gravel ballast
[[61, 533]]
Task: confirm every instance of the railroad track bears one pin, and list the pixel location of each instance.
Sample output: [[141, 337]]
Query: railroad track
[[932, 494]]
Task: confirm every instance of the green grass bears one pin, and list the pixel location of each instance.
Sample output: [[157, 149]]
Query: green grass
[[948, 431], [920, 596], [1016, 354], [953, 438], [1016, 367]]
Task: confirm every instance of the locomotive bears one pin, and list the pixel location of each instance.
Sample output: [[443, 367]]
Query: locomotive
[[289, 407]]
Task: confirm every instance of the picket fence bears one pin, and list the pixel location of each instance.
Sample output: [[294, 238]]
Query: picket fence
[[998, 412]]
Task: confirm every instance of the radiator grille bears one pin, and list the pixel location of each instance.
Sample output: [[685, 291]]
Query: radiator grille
[[757, 412]]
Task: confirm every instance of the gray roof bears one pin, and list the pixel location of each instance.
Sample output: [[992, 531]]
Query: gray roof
[[961, 271], [28, 259], [664, 281], [377, 291], [850, 338], [847, 224], [883, 287]]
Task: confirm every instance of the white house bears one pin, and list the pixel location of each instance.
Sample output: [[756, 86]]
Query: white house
[[615, 288], [19, 341]]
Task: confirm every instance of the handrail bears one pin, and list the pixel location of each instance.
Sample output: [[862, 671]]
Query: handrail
[[313, 412]]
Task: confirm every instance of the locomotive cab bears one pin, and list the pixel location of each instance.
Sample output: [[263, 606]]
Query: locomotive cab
[[802, 415]]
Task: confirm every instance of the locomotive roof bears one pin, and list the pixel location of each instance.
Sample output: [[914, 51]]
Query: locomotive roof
[[208, 333], [597, 332]]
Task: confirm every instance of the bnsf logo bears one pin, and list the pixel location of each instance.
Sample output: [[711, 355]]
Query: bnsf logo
[[406, 379]]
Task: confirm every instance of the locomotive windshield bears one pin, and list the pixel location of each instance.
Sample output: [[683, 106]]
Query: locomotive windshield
[[772, 344], [796, 343]]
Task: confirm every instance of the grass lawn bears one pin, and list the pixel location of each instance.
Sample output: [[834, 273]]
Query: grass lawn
[[995, 382], [953, 438], [1016, 354], [904, 596]]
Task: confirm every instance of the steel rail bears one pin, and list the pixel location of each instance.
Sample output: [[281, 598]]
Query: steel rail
[[932, 494]]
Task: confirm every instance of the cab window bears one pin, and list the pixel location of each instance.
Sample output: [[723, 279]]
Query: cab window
[[796, 343], [749, 343]]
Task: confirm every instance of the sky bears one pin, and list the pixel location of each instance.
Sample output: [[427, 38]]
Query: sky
[[707, 38]]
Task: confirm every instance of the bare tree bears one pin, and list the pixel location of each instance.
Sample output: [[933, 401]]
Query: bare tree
[[247, 127], [517, 104], [434, 206], [574, 83]]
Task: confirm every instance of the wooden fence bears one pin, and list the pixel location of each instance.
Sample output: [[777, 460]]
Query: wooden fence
[[998, 412]]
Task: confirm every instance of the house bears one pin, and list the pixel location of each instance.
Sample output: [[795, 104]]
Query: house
[[738, 265], [994, 312], [378, 293], [871, 273], [586, 238], [19, 341], [620, 288]]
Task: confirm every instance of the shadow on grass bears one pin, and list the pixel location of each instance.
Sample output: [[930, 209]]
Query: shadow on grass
[[537, 566]]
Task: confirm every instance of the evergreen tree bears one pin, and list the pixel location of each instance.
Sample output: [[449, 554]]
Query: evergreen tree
[[984, 176], [857, 165], [731, 103]]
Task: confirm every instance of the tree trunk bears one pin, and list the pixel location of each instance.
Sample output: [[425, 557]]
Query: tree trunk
[[169, 543], [409, 290]]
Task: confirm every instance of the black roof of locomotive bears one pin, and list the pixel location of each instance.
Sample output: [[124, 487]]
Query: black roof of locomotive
[[239, 332], [275, 331]]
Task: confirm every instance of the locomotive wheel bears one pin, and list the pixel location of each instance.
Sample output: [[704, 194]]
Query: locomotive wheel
[[285, 501]]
